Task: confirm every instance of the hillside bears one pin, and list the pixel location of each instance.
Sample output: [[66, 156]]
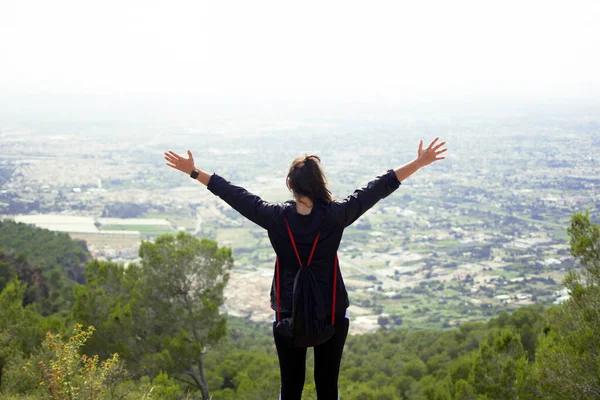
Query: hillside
[[533, 353], [50, 261]]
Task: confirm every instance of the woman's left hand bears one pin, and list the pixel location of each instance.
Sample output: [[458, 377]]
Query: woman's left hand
[[431, 154], [180, 163]]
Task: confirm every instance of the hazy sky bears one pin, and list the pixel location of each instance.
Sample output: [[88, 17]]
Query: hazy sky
[[302, 49]]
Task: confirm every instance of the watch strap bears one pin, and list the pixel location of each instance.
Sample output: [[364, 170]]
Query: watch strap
[[194, 174]]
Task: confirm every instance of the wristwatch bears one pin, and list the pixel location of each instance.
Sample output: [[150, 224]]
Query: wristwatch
[[194, 174]]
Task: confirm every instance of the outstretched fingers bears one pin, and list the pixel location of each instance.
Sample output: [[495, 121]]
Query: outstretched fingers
[[439, 145], [173, 154], [433, 143], [437, 154], [171, 159], [171, 163]]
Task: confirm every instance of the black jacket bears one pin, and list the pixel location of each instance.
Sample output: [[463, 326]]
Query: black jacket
[[338, 215]]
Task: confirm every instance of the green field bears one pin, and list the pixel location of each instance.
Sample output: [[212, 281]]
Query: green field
[[237, 238], [185, 220], [150, 230]]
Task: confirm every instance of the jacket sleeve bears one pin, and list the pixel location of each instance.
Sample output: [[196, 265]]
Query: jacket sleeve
[[349, 210], [249, 205]]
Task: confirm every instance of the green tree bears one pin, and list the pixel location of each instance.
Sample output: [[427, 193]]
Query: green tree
[[18, 267], [415, 368], [161, 315], [113, 302], [185, 278], [464, 391], [11, 315], [21, 329], [51, 259], [567, 360], [495, 367]]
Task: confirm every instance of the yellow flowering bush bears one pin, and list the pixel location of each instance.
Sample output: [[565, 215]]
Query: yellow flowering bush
[[68, 375]]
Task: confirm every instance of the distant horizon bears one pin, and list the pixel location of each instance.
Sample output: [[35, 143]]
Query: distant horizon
[[169, 108]]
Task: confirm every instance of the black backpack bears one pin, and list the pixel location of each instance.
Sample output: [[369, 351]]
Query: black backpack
[[308, 325]]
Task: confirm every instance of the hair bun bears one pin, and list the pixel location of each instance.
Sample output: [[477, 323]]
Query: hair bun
[[309, 181]]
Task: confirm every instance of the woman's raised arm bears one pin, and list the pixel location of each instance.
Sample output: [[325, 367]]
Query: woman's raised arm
[[249, 205], [424, 157], [186, 165], [355, 205]]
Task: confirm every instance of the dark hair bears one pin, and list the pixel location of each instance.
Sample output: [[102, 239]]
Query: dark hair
[[306, 178]]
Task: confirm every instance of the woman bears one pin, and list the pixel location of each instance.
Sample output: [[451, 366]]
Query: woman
[[316, 223]]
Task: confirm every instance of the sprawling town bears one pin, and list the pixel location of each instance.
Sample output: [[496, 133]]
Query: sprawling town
[[463, 239]]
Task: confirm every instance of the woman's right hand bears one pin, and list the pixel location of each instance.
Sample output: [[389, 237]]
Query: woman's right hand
[[180, 163]]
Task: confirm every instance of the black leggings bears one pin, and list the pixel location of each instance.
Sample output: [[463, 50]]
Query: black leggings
[[292, 364]]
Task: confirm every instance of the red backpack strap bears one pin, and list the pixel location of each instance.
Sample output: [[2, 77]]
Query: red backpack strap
[[312, 251], [293, 241], [278, 280], [335, 268]]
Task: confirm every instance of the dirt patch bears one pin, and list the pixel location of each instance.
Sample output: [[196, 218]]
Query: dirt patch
[[247, 296], [360, 325], [356, 284]]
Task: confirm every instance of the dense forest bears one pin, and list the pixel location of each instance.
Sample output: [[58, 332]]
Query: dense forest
[[77, 328]]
